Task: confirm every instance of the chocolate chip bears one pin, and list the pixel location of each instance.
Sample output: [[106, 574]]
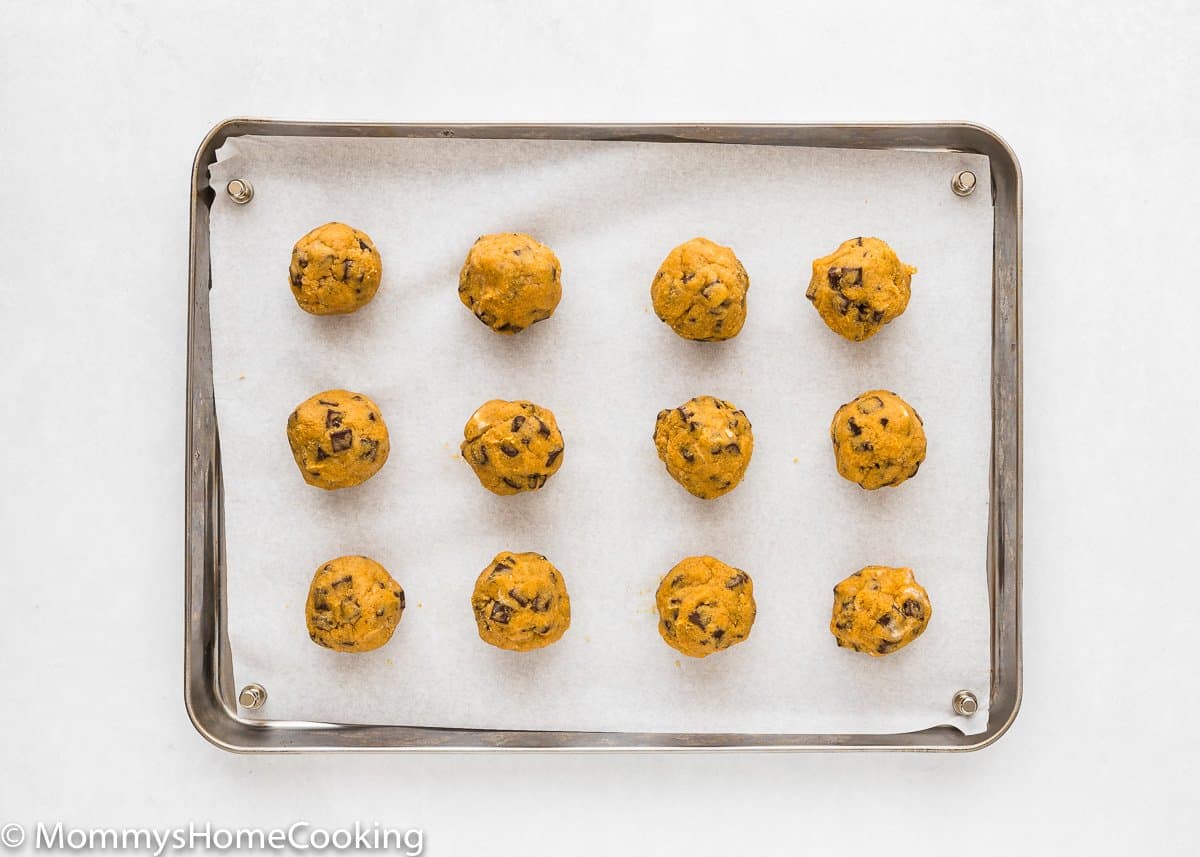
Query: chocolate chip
[[340, 441], [517, 252], [400, 598], [860, 241], [332, 404], [883, 421], [718, 634], [696, 619], [517, 422], [518, 597], [884, 647], [716, 450], [553, 456], [303, 260], [536, 481], [507, 328], [737, 580], [884, 620], [676, 581], [839, 277], [370, 448], [501, 613], [687, 454], [333, 419], [687, 277], [684, 412], [855, 428], [371, 417], [509, 450], [877, 316], [346, 270], [733, 449], [913, 609], [343, 581], [510, 483], [362, 245], [296, 280], [865, 446], [321, 454], [541, 603], [543, 429]]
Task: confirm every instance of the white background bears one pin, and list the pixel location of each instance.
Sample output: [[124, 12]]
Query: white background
[[101, 108]]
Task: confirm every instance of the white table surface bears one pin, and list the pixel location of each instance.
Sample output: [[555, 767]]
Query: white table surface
[[102, 106]]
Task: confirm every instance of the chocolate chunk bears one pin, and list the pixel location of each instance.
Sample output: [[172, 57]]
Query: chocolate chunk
[[343, 581], [509, 450], [321, 454], [865, 446], [696, 619], [676, 581], [733, 449], [913, 609], [553, 456], [687, 454], [505, 328], [543, 429], [517, 252], [518, 597], [884, 647], [687, 277], [481, 455], [536, 481], [737, 580], [684, 412], [839, 277], [370, 448], [362, 245], [883, 421], [514, 485], [884, 620], [331, 404], [855, 428], [296, 279], [333, 419], [877, 316], [501, 613], [518, 421], [718, 634], [860, 241], [541, 603], [371, 417], [346, 270], [340, 441], [356, 398], [303, 260], [716, 450]]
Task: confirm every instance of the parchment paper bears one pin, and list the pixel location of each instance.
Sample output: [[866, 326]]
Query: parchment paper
[[611, 519]]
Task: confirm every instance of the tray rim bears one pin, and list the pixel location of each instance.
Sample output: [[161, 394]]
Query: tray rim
[[209, 688]]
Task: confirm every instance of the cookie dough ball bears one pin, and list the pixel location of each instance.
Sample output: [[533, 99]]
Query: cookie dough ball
[[510, 281], [521, 603], [512, 446], [704, 606], [860, 287], [700, 291], [335, 270], [706, 444], [878, 440], [879, 609], [354, 605], [338, 439]]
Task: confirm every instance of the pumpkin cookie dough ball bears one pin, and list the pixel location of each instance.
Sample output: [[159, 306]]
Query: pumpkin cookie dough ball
[[879, 609], [354, 605], [700, 291], [510, 281], [878, 440], [335, 270], [706, 444], [338, 439], [520, 602], [860, 287], [512, 446], [704, 606]]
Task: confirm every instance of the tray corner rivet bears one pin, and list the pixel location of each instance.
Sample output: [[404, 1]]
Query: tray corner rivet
[[253, 696], [965, 703], [963, 183], [240, 191]]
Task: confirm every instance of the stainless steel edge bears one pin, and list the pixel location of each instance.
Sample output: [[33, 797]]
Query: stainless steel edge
[[209, 689]]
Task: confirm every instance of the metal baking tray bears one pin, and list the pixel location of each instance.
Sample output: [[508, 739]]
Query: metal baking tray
[[210, 693]]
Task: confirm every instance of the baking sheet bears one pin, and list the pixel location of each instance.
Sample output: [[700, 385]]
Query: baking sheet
[[611, 520]]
